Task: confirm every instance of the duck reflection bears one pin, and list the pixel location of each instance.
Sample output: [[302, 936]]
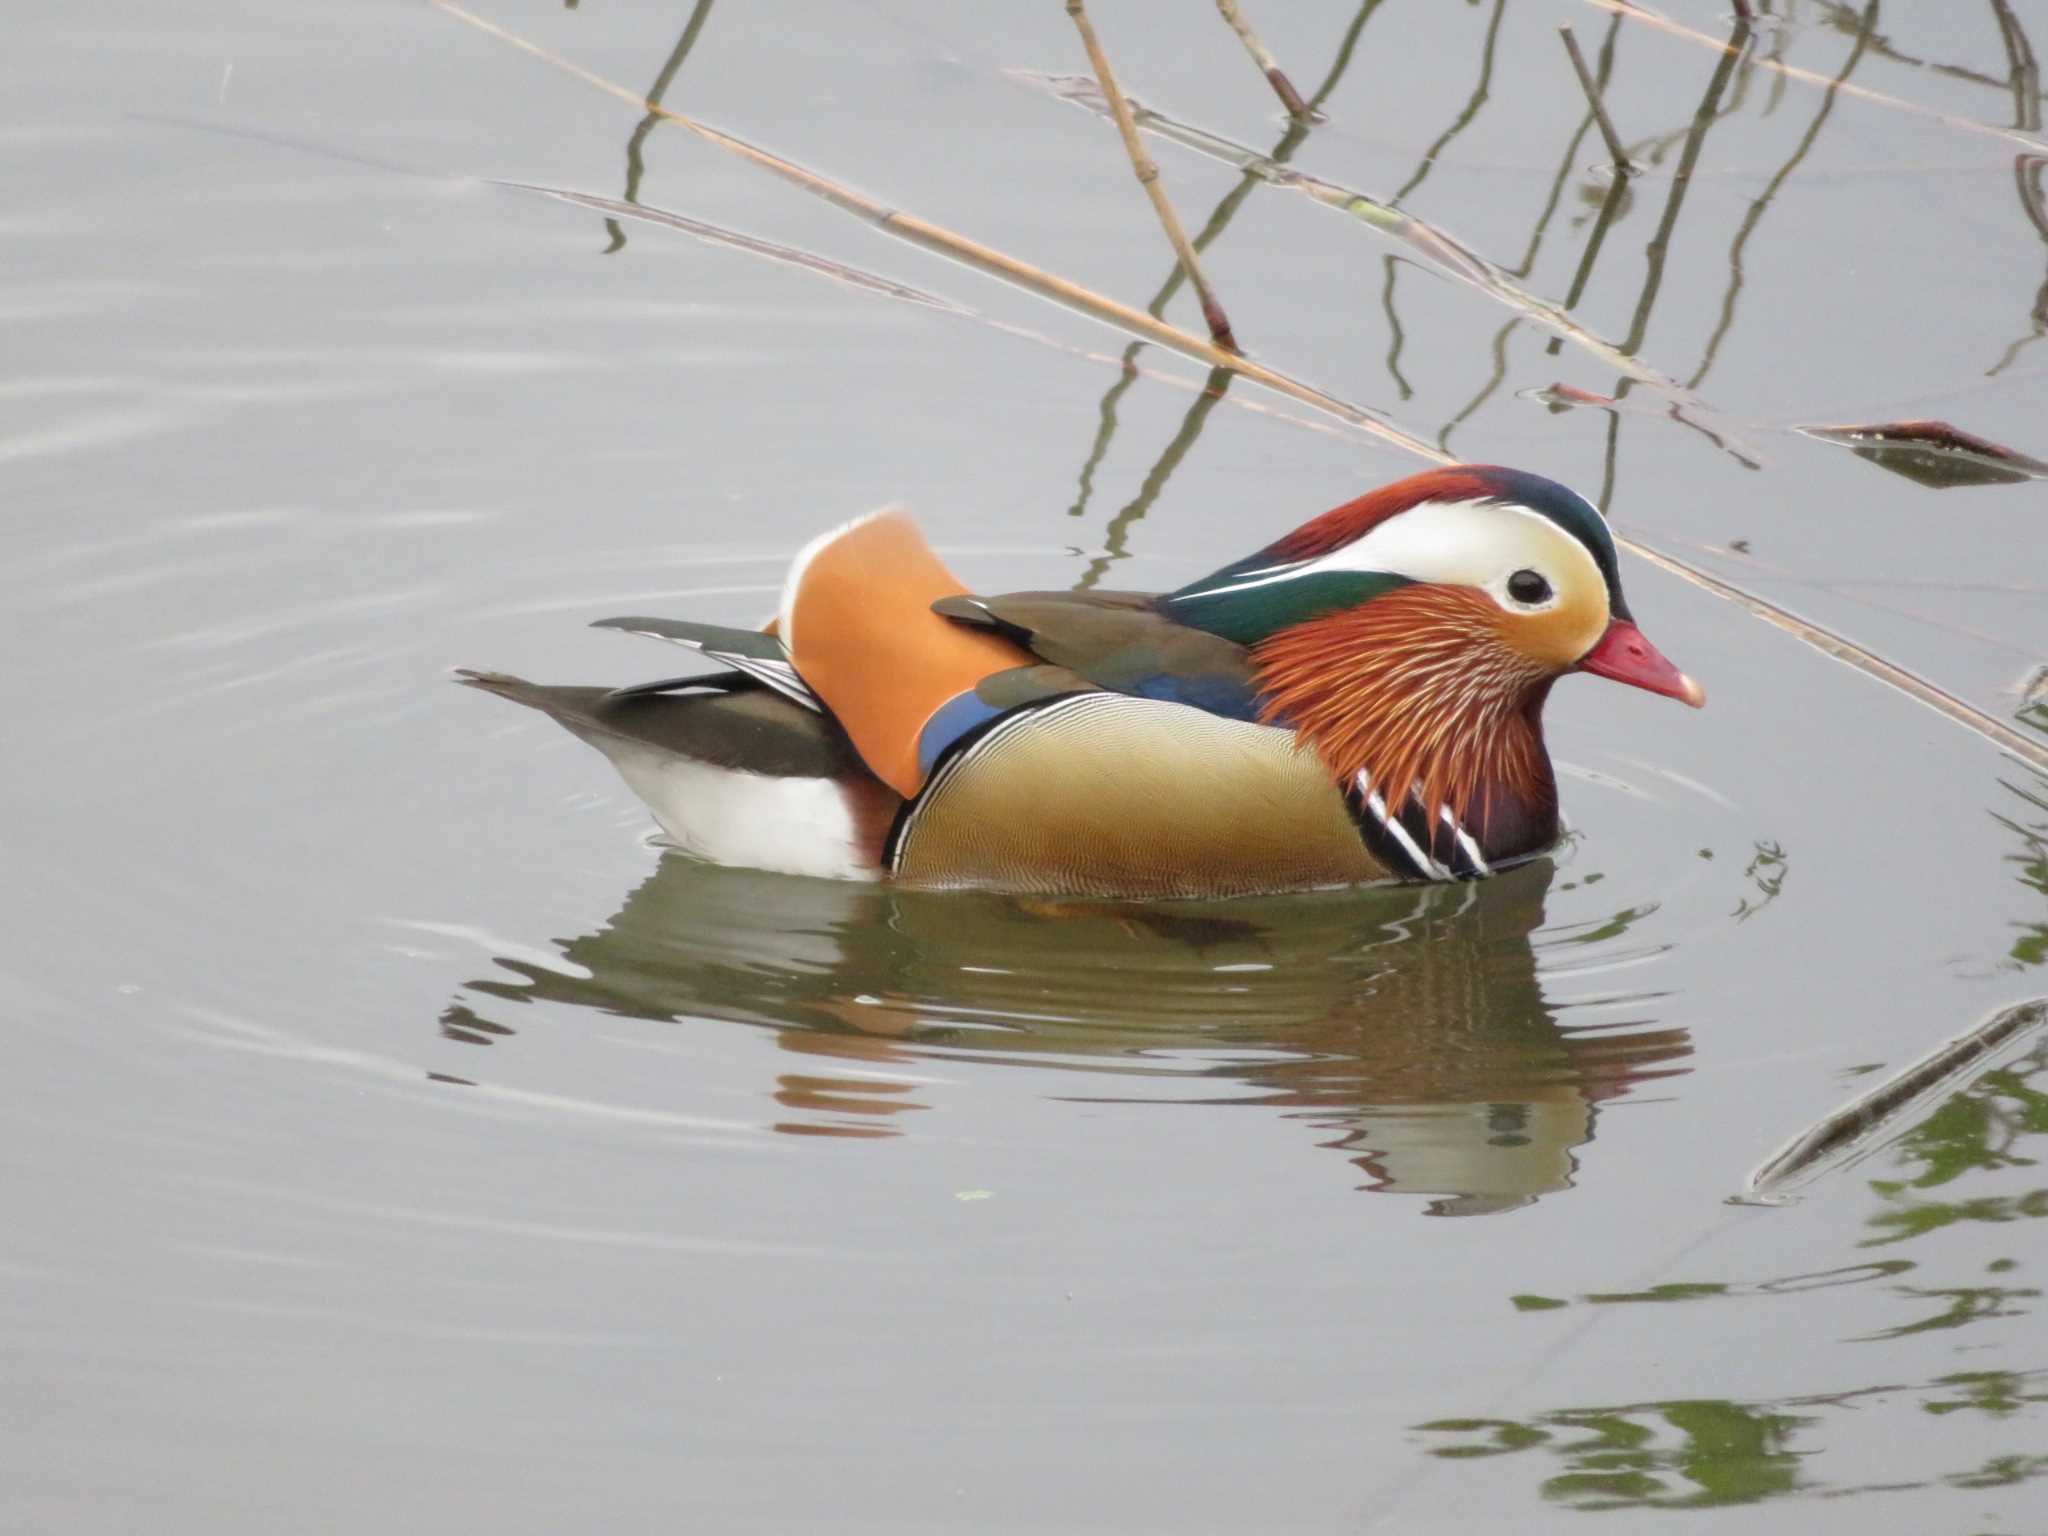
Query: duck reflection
[[1406, 1025]]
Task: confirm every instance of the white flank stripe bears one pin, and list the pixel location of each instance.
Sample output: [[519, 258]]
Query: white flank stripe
[[1465, 842], [1374, 803]]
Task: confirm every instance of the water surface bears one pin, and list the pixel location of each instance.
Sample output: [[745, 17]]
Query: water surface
[[399, 1137]]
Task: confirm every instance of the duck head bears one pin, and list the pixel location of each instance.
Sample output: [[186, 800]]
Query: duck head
[[1411, 636]]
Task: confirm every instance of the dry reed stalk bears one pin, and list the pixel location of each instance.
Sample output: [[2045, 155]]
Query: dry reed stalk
[[1591, 87], [1443, 252], [945, 242], [1269, 66], [1148, 177]]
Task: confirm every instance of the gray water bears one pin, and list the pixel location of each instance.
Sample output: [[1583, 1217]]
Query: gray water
[[398, 1140]]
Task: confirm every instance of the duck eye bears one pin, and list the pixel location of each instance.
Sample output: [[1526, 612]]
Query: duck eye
[[1528, 587]]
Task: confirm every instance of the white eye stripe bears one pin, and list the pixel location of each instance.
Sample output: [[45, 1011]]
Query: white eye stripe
[[1469, 544], [1474, 544]]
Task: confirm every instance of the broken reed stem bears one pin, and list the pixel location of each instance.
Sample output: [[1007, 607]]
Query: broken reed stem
[[1148, 178], [1269, 66], [1591, 87], [1743, 13]]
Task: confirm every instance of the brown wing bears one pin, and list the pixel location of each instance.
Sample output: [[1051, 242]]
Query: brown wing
[[1119, 641]]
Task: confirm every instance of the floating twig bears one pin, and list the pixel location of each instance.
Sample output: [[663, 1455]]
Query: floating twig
[[1269, 66], [1622, 163], [1843, 1129], [1148, 177]]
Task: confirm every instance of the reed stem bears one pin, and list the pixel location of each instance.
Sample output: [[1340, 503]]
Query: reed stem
[[1587, 83], [1269, 66], [1148, 178]]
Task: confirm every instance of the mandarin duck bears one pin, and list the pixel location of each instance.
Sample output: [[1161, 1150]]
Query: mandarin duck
[[1359, 700]]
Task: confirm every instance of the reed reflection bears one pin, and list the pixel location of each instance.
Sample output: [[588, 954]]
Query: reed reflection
[[1408, 1029], [636, 164]]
